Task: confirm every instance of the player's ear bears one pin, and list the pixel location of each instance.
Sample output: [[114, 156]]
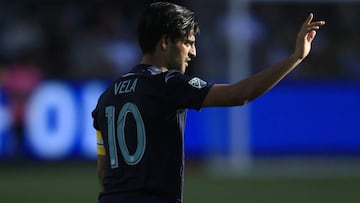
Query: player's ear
[[164, 42]]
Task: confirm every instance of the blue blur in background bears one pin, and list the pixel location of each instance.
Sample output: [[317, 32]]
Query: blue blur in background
[[307, 118], [294, 118]]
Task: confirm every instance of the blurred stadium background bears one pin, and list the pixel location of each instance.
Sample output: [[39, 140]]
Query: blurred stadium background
[[298, 143]]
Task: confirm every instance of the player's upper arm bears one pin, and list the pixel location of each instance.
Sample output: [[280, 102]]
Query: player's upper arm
[[225, 95]]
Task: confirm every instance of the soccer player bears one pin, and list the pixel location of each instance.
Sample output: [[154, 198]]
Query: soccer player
[[140, 118]]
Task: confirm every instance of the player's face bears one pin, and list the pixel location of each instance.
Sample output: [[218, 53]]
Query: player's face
[[181, 52]]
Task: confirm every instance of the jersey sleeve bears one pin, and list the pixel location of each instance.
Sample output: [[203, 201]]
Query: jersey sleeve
[[94, 117], [99, 137], [183, 91]]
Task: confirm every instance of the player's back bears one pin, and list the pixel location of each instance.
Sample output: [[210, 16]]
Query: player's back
[[142, 136]]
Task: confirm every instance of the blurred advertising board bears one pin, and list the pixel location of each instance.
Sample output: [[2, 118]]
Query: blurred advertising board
[[294, 118]]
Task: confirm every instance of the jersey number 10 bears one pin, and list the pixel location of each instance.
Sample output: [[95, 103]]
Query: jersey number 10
[[130, 159]]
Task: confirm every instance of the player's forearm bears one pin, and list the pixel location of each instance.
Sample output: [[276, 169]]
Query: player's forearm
[[250, 88], [263, 81], [100, 178], [101, 171]]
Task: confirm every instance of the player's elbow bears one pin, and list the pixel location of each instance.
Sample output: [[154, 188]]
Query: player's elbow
[[233, 99], [241, 100], [227, 95], [251, 95], [241, 96]]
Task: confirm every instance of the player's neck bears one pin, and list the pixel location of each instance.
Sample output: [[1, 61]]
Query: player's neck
[[153, 60]]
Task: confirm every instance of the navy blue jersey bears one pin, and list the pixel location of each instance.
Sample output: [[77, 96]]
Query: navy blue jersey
[[141, 117]]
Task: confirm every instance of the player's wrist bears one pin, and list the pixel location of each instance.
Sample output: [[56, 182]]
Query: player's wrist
[[296, 58]]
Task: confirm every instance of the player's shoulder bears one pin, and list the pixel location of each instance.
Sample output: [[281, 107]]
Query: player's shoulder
[[175, 76]]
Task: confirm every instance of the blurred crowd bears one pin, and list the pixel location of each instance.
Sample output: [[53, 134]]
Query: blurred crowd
[[69, 39], [97, 39], [336, 50]]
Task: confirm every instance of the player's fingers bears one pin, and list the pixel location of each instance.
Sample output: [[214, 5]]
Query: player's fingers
[[315, 26], [311, 35], [317, 23], [308, 25], [305, 26], [309, 19]]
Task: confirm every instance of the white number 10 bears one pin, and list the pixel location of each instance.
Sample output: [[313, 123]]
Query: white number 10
[[130, 159]]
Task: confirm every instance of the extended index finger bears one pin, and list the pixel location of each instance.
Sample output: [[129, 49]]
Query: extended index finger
[[309, 19]]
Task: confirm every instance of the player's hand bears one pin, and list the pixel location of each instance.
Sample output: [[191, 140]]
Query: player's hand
[[305, 36]]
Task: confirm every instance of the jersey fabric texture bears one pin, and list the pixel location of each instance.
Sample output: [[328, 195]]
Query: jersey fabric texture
[[141, 117]]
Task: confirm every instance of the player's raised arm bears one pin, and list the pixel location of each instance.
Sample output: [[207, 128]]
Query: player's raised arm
[[256, 85]]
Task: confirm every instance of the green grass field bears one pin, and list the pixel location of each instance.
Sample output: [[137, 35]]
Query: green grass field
[[77, 183]]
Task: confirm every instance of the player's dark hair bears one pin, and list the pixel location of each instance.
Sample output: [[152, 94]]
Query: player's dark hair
[[161, 18]]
